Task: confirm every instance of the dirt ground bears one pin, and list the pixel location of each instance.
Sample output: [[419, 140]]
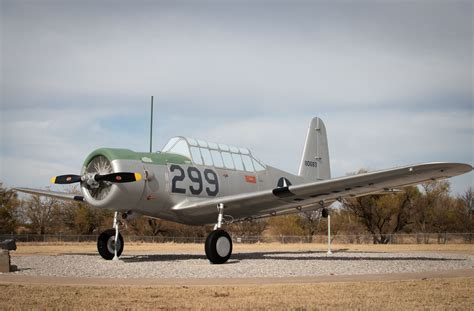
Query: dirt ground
[[417, 293]]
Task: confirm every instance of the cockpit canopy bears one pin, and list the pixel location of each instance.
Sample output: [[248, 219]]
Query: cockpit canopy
[[212, 154]]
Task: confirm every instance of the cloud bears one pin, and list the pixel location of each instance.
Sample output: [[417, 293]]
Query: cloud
[[177, 53], [393, 81]]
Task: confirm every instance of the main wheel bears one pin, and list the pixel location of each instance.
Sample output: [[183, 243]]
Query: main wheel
[[218, 246], [106, 244]]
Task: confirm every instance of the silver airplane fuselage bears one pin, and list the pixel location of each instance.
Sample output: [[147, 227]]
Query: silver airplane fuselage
[[171, 180]]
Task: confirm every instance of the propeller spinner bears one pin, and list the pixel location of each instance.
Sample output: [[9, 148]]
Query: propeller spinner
[[97, 178]]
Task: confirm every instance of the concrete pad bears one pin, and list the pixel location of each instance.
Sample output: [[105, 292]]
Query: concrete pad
[[4, 261], [13, 278]]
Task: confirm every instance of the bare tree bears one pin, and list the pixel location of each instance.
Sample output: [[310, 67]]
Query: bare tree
[[447, 215], [467, 222], [344, 220], [248, 228], [9, 204], [468, 200], [384, 215], [432, 193], [285, 225], [81, 218], [42, 214], [145, 226], [310, 223]]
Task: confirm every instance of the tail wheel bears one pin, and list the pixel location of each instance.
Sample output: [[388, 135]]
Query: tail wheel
[[218, 246], [106, 244]]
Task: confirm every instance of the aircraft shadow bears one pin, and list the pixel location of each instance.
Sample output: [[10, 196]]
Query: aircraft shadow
[[78, 254], [333, 257], [318, 256], [16, 269], [162, 257]]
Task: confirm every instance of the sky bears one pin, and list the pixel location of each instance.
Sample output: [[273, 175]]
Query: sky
[[392, 80]]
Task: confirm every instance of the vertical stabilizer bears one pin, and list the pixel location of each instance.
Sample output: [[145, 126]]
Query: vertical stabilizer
[[314, 164]]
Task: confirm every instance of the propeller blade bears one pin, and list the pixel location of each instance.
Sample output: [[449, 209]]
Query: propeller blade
[[119, 177], [66, 179]]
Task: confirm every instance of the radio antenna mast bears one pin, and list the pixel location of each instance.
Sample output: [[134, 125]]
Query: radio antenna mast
[[151, 126]]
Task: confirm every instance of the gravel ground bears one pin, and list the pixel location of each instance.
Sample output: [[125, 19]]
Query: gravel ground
[[241, 265]]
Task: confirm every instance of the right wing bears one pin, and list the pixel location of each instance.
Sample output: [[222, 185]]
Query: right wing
[[53, 194], [312, 195]]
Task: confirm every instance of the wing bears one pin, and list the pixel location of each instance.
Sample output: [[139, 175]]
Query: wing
[[313, 195], [54, 194]]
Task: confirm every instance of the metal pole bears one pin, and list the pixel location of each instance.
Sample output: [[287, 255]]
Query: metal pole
[[329, 235], [116, 236], [151, 126]]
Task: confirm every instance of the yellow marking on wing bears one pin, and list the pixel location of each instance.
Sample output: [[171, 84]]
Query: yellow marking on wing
[[53, 180]]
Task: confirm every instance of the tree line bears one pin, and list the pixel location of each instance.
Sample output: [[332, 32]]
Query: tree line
[[427, 208]]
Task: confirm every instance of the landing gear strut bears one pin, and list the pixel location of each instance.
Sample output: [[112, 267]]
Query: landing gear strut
[[218, 245], [106, 244]]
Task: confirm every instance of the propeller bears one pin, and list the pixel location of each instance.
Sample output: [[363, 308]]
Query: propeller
[[119, 177], [65, 179], [123, 177]]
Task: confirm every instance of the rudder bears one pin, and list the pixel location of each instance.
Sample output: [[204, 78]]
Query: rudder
[[315, 164]]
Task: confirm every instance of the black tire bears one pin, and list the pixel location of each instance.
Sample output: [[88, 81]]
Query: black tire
[[218, 246], [324, 213], [105, 244]]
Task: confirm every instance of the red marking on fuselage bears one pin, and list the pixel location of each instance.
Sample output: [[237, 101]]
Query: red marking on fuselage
[[251, 179]]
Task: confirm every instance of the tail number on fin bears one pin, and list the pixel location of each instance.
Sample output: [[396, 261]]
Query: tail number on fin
[[311, 163]]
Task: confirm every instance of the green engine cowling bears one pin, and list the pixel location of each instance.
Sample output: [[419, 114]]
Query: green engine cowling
[[115, 196]]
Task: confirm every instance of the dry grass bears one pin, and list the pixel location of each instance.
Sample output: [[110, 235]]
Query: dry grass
[[133, 248], [455, 293], [450, 293]]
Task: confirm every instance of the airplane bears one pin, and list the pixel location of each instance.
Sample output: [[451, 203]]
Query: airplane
[[195, 182]]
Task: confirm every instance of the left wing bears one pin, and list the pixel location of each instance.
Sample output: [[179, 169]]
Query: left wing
[[53, 194], [312, 195]]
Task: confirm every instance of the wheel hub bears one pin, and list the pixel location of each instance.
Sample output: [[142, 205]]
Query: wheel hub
[[223, 246], [111, 244]]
